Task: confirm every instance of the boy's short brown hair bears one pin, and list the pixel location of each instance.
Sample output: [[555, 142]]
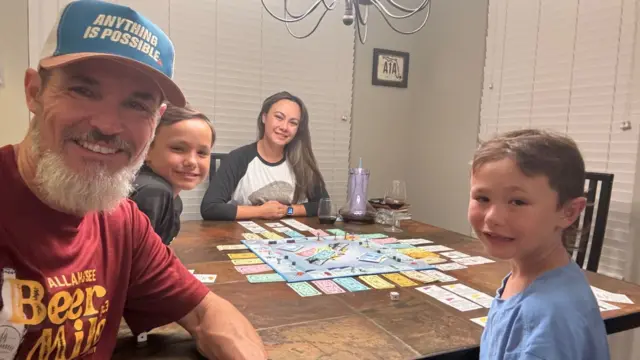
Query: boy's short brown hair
[[540, 152]]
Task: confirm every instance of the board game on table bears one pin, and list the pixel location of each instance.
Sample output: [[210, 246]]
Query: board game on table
[[326, 257]]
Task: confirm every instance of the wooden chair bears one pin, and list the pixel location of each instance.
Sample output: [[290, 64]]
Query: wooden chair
[[214, 163], [596, 240]]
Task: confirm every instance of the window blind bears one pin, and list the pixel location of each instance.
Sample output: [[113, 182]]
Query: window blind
[[569, 66]]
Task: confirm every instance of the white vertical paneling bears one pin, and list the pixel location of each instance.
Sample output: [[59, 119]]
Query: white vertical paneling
[[571, 66]]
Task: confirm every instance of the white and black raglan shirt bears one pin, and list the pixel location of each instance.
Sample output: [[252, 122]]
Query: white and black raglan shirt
[[245, 178]]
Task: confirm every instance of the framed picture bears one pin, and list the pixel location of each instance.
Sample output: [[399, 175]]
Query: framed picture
[[390, 68]]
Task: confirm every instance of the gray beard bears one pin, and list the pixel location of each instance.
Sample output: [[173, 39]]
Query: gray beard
[[93, 189]]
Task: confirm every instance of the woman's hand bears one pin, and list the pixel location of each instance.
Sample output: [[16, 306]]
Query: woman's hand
[[273, 210]]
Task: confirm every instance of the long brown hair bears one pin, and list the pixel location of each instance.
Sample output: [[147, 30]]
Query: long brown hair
[[540, 152], [298, 152]]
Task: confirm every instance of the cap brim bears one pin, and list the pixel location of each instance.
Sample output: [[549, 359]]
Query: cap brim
[[169, 88]]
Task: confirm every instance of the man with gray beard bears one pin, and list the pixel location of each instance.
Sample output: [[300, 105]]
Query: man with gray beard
[[76, 256]]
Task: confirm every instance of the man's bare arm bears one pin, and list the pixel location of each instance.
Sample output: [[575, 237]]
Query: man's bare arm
[[222, 332]]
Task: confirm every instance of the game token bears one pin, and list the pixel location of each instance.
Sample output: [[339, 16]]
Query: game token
[[394, 295]]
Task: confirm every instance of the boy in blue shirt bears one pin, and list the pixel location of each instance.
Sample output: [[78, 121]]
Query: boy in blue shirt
[[526, 190]]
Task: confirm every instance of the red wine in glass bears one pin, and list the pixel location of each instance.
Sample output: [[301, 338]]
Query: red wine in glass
[[327, 219], [393, 203]]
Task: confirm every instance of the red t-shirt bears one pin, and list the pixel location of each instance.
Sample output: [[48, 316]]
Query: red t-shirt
[[67, 281]]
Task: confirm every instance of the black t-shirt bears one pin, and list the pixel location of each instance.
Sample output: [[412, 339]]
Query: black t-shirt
[[154, 196]]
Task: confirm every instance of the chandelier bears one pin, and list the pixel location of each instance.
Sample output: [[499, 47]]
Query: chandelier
[[355, 12]]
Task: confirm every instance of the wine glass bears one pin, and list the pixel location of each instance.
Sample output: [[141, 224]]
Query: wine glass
[[327, 211], [395, 198]]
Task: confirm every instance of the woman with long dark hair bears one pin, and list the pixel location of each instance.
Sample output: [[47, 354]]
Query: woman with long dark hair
[[271, 178]]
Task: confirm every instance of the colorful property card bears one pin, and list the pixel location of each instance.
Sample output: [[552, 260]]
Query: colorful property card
[[376, 282], [450, 266], [271, 235], [251, 236], [454, 255], [253, 269], [328, 286], [399, 279], [436, 248], [416, 241], [417, 275], [318, 232], [242, 256], [351, 284], [448, 298], [473, 260], [293, 234], [206, 278], [442, 277], [482, 321], [296, 225], [470, 294], [232, 247], [418, 253], [304, 289], [385, 241], [373, 236], [434, 260], [264, 278], [247, 261]]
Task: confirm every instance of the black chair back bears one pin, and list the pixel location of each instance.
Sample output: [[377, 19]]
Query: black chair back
[[596, 239], [214, 163]]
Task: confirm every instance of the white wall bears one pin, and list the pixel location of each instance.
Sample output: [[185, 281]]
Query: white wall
[[14, 59]]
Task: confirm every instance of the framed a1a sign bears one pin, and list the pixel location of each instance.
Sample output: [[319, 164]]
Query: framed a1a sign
[[390, 68]]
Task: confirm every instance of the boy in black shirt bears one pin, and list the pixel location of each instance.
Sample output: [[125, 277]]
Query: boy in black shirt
[[178, 159]]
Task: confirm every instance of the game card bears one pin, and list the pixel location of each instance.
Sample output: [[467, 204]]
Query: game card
[[385, 241], [434, 248], [308, 252], [291, 247], [434, 260], [293, 234], [296, 225], [416, 241], [399, 279], [271, 235], [304, 289], [318, 232], [605, 306], [206, 278], [247, 261], [448, 298], [232, 247], [328, 286], [399, 246], [274, 224], [473, 260], [470, 294], [442, 277], [251, 236], [450, 266], [604, 295], [373, 236], [417, 275], [454, 254], [351, 284], [418, 253], [281, 229], [242, 256], [482, 321], [264, 278], [377, 282], [372, 257], [336, 232], [253, 269]]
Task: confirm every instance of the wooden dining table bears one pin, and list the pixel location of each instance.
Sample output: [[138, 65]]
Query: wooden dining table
[[352, 325]]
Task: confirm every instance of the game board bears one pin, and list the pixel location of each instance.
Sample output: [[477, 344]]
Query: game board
[[313, 258]]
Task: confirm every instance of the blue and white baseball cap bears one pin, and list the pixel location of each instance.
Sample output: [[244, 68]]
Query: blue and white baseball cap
[[97, 29]]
